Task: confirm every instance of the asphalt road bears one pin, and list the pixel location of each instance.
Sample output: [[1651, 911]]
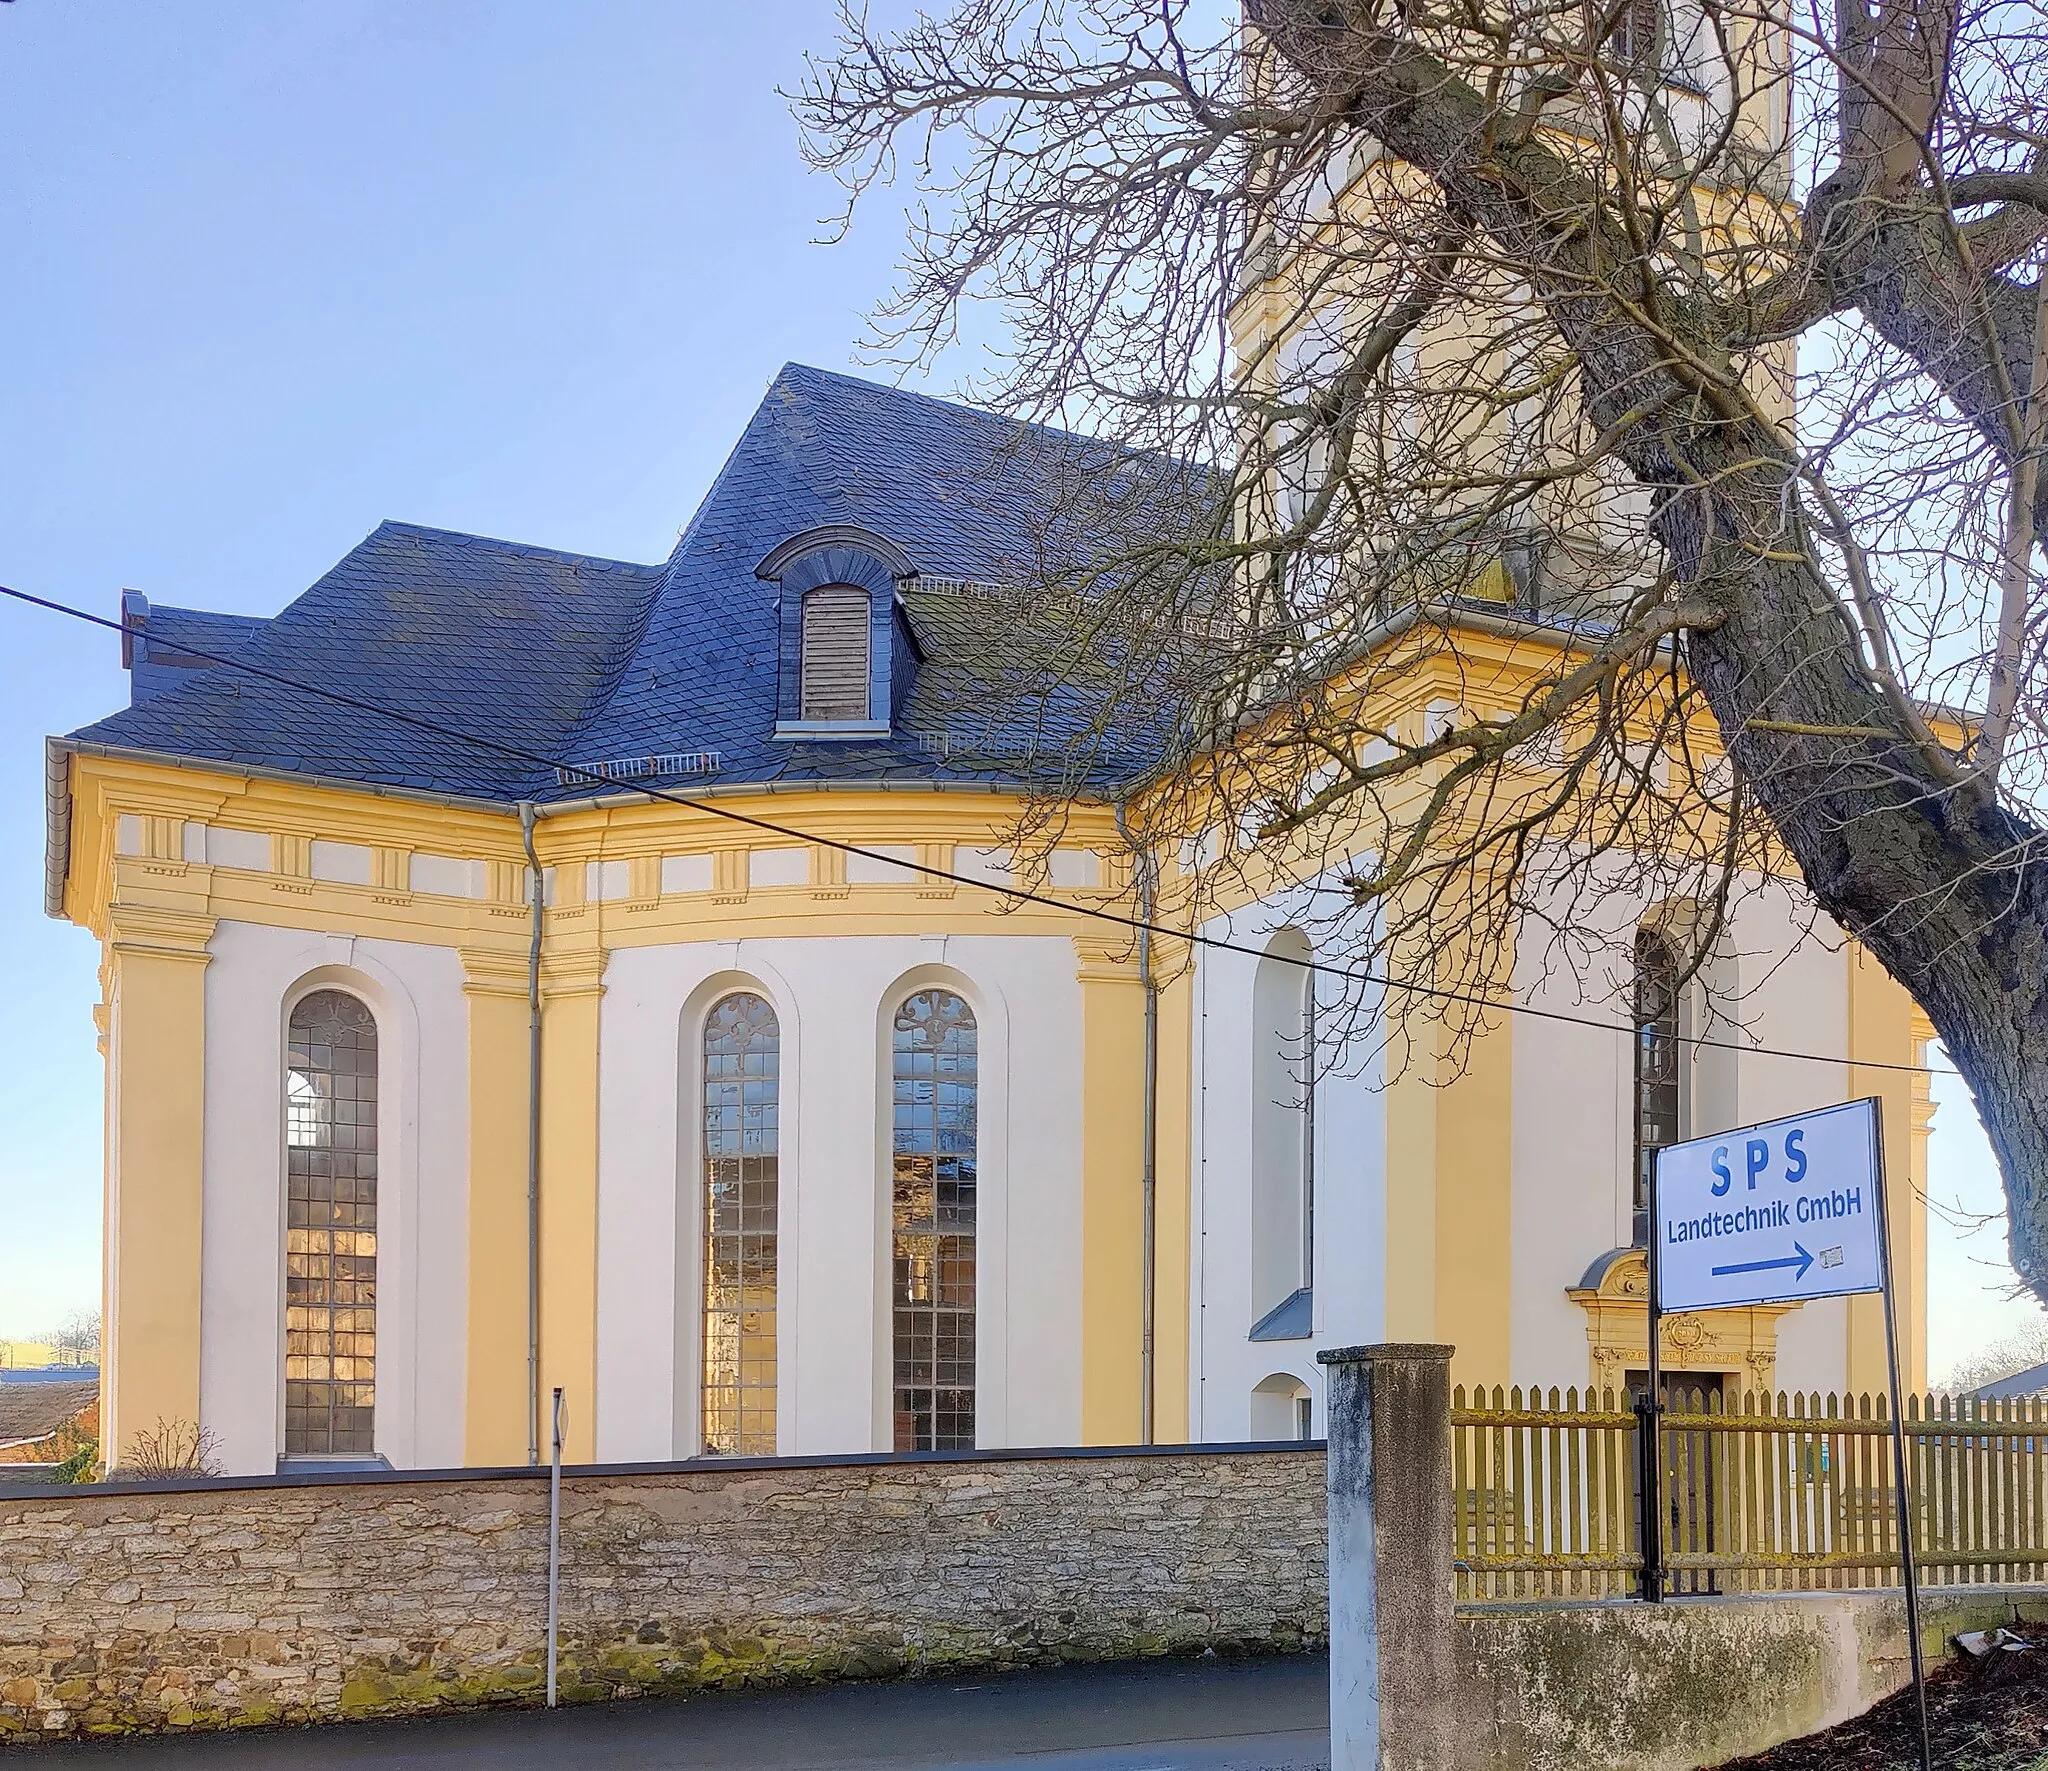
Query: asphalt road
[[1188, 1715]]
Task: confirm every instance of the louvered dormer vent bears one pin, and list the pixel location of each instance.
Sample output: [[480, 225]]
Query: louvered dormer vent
[[835, 653]]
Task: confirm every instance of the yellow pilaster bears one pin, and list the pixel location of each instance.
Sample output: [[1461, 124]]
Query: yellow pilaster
[[495, 1429], [1412, 1103], [572, 984], [1475, 1206], [156, 1063], [1882, 1019], [1112, 1202], [1172, 1305]]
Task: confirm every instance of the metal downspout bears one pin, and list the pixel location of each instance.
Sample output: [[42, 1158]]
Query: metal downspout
[[1149, 1171], [536, 884]]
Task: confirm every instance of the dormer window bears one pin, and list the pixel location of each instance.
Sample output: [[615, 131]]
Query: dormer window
[[845, 655], [835, 653]]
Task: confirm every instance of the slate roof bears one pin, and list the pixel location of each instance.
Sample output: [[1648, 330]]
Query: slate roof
[[30, 1412], [2031, 1382], [512, 643], [175, 642], [566, 656]]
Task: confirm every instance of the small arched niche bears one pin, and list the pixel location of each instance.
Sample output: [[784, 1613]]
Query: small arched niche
[[1283, 1407]]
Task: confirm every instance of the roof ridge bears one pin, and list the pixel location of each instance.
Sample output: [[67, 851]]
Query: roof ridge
[[156, 608], [467, 537], [982, 414]]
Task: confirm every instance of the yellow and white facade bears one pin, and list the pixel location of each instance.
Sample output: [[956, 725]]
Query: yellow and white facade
[[229, 890]]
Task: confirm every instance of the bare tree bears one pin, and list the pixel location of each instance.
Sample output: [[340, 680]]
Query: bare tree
[[2005, 1357], [1694, 338], [77, 1340]]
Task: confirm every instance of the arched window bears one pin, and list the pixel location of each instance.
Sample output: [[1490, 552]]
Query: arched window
[[742, 1102], [1283, 1138], [330, 1271], [835, 653], [1659, 1057], [931, 1215]]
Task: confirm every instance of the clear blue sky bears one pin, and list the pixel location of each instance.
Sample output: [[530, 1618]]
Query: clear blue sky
[[275, 273]]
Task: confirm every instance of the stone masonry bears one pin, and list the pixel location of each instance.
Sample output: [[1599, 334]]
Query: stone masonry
[[228, 1604]]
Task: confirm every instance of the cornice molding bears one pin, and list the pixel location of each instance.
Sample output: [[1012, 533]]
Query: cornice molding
[[493, 971], [1107, 958], [576, 971], [161, 932]]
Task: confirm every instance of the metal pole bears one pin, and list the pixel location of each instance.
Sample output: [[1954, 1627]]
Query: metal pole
[[1148, 1174], [554, 1547], [537, 881], [1903, 1494], [1148, 1407], [1652, 1415], [1308, 1131]]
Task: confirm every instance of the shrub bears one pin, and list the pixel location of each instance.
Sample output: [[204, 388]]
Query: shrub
[[170, 1450]]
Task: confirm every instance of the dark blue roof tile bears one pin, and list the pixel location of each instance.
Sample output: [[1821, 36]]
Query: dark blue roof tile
[[566, 657]]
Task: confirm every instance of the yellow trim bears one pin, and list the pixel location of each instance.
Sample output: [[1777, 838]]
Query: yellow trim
[[571, 988], [495, 1425], [1475, 1206], [157, 1072], [1413, 1103], [1112, 1205]]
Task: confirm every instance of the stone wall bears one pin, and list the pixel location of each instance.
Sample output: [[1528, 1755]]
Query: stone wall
[[1619, 1686], [234, 1603], [242, 1602]]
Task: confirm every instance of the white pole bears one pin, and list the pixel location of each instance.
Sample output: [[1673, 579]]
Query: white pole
[[554, 1546]]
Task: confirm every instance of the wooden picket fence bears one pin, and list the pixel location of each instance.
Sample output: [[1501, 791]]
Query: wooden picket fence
[[1760, 1493]]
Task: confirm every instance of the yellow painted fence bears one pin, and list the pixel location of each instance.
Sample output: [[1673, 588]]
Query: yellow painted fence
[[1759, 1493]]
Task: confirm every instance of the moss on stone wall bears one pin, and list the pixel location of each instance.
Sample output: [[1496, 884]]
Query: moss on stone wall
[[221, 1607], [1571, 1687]]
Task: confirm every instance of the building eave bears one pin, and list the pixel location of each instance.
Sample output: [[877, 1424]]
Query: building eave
[[57, 795]]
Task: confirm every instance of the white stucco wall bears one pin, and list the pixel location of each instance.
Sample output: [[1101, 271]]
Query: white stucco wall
[[1781, 983], [415, 992], [1226, 1367], [833, 998], [1798, 1002], [1776, 981], [1570, 1151], [1571, 1196]]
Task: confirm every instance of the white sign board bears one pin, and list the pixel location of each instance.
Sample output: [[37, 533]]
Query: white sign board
[[1771, 1213]]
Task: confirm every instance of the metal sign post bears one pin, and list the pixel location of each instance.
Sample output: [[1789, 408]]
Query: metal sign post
[[1650, 1427], [1781, 1212], [554, 1546], [1904, 1496]]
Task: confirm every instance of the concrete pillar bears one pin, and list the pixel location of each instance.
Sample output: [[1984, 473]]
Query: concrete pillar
[[1391, 1591]]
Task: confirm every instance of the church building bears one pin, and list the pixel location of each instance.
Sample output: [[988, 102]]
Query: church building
[[752, 1145]]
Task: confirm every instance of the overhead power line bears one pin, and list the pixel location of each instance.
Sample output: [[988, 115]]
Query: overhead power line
[[1016, 894]]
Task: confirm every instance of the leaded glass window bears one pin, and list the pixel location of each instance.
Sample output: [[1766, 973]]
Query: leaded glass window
[[742, 1087], [932, 1214], [1658, 1054], [330, 1282]]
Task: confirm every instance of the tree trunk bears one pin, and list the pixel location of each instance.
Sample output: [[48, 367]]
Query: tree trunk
[[1942, 885]]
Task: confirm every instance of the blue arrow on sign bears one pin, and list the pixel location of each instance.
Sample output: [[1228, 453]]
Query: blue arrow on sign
[[1802, 1260]]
